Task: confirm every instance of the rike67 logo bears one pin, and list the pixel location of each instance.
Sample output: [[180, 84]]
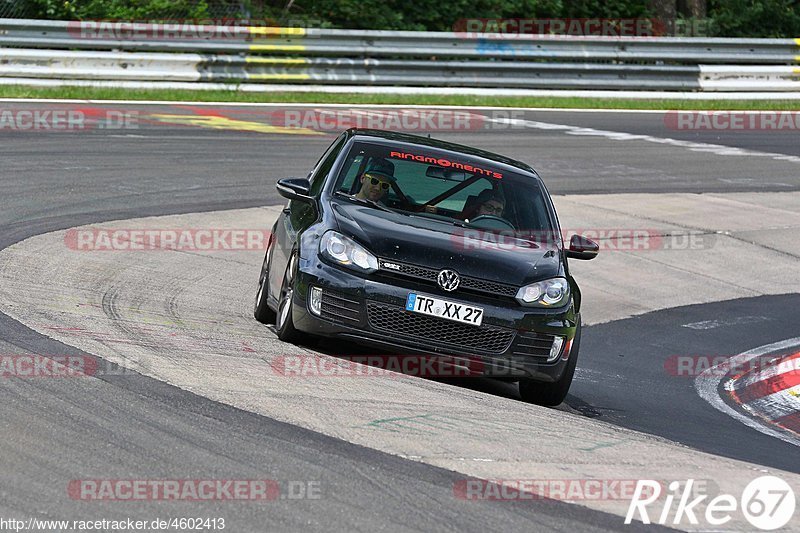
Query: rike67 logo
[[767, 503]]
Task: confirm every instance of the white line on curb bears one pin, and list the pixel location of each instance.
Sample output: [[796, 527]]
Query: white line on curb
[[415, 91], [366, 106], [717, 149], [707, 386]]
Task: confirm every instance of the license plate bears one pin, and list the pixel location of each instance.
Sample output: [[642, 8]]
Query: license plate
[[429, 305]]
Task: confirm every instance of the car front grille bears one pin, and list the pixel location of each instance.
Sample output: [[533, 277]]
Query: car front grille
[[337, 307], [533, 344], [482, 285], [397, 321], [431, 274]]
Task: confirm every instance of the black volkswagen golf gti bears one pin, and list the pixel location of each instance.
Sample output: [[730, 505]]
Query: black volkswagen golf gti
[[419, 246]]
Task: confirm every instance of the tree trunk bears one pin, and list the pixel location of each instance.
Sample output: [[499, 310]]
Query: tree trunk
[[696, 9], [665, 11]]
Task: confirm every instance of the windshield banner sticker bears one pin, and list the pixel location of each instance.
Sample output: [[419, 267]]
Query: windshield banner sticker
[[446, 163]]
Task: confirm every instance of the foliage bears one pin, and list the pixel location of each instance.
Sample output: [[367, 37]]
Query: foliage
[[140, 10], [729, 18], [755, 18]]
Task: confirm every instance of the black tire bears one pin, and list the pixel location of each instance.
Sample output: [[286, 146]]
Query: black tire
[[552, 394], [261, 310], [284, 324]]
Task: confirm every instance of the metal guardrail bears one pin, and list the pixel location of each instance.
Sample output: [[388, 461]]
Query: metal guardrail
[[92, 51], [228, 68], [378, 43]]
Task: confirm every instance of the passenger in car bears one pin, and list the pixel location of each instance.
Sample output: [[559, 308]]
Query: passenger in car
[[491, 203], [488, 202], [376, 180]]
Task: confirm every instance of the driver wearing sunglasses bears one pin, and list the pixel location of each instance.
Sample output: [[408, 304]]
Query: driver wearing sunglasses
[[376, 181]]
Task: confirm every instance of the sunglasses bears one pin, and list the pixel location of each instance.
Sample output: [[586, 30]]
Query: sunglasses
[[493, 208], [375, 181]]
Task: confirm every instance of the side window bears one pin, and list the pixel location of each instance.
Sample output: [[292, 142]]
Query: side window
[[529, 210], [354, 170], [325, 163]]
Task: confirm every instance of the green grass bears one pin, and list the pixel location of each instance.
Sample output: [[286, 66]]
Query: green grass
[[86, 93]]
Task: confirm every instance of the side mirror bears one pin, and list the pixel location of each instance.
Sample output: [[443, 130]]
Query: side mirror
[[582, 248], [295, 189]]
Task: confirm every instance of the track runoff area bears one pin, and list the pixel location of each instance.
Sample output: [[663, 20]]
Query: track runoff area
[[693, 428]]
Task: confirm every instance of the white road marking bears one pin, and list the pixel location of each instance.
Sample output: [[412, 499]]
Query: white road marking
[[716, 149], [712, 324], [364, 106], [415, 91]]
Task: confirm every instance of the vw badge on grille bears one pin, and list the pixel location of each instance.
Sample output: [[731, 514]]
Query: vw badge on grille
[[448, 280]]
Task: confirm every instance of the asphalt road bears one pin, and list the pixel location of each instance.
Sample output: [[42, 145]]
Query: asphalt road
[[659, 124], [177, 149], [624, 375], [134, 426]]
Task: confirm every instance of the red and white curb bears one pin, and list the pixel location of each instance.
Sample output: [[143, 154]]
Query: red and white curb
[[771, 396]]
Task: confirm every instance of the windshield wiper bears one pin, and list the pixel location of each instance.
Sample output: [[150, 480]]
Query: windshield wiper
[[365, 201]]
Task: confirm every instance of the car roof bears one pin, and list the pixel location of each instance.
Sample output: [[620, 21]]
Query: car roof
[[393, 137]]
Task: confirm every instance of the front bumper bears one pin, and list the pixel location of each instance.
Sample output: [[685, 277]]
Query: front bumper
[[513, 342]]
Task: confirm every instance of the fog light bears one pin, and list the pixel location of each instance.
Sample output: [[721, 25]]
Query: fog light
[[315, 301], [555, 349]]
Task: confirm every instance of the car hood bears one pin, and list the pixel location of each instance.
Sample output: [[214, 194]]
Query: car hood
[[434, 244]]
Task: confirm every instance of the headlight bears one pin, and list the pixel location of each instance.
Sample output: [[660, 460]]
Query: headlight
[[548, 293], [347, 252]]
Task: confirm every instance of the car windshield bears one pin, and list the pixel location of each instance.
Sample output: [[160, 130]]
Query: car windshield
[[441, 185]]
